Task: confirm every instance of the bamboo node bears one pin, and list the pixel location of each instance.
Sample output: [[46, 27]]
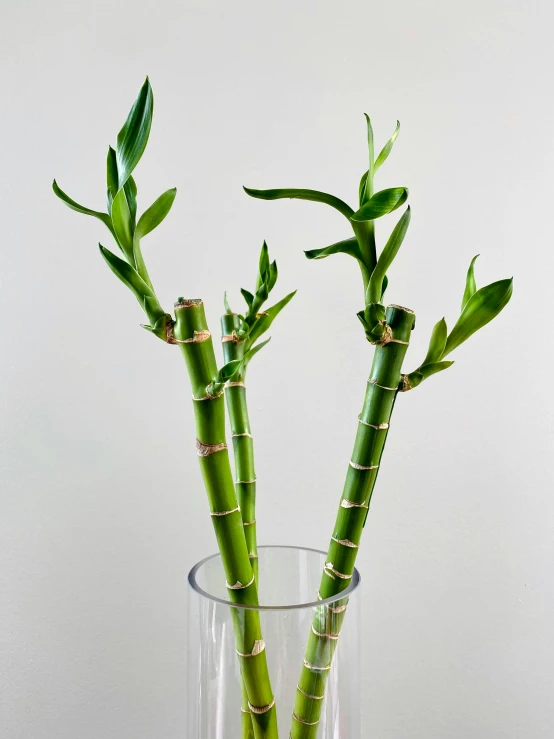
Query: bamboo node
[[329, 567], [258, 648], [362, 467], [351, 504], [317, 668], [236, 436], [198, 337], [245, 482], [207, 397], [234, 384], [261, 709], [324, 636], [405, 384], [302, 721], [205, 450], [249, 523], [377, 427], [383, 387], [337, 609], [225, 513], [313, 697], [345, 542], [239, 586], [231, 337], [243, 710]]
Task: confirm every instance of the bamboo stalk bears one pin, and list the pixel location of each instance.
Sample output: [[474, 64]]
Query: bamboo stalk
[[243, 442], [243, 448], [371, 435], [192, 334]]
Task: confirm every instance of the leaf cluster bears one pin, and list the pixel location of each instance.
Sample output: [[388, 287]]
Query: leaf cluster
[[371, 206], [256, 320], [479, 307], [121, 215]]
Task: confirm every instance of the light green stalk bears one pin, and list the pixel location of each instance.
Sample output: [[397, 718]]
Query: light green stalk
[[243, 442], [191, 332], [243, 447], [371, 435]]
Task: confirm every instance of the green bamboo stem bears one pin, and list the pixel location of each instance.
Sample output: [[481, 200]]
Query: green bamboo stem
[[243, 448], [370, 440], [192, 335], [243, 443]]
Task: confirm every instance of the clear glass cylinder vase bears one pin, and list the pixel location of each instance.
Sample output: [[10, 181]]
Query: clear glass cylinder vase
[[288, 584]]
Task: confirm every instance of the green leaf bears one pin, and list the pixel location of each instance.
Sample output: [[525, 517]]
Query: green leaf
[[104, 217], [264, 322], [252, 352], [386, 150], [273, 274], [155, 214], [482, 307], [226, 304], [133, 137], [123, 225], [229, 370], [437, 342], [433, 367], [371, 158], [471, 286], [362, 188], [111, 176], [314, 195], [247, 296], [385, 285], [348, 246], [381, 203], [263, 266], [127, 275], [130, 188], [375, 287]]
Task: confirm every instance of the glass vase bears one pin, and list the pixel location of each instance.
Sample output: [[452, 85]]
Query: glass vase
[[288, 582]]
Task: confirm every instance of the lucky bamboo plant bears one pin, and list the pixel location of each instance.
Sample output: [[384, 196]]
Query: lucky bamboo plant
[[232, 502], [389, 330]]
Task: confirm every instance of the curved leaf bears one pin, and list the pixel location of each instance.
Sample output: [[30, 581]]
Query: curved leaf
[[368, 187], [471, 286], [228, 310], [130, 188], [426, 370], [127, 275], [375, 287], [387, 148], [436, 343], [381, 203], [348, 246], [482, 307], [104, 217], [314, 195], [111, 176], [133, 137], [362, 188], [155, 214], [266, 319], [252, 352], [247, 296], [123, 225]]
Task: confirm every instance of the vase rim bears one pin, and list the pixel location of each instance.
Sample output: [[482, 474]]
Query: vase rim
[[347, 592]]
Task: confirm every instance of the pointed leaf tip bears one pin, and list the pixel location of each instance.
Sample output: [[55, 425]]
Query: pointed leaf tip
[[484, 305], [133, 137]]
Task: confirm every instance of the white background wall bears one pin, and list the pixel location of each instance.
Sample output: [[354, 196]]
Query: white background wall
[[103, 510]]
